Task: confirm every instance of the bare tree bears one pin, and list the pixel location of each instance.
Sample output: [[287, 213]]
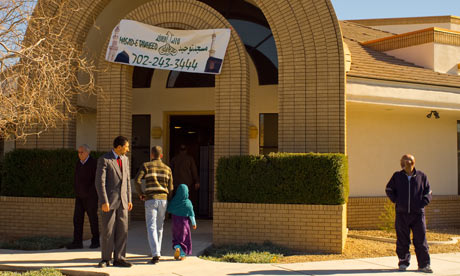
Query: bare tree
[[41, 66]]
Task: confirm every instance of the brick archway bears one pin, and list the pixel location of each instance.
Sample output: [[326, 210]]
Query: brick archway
[[311, 71], [311, 88], [232, 101]]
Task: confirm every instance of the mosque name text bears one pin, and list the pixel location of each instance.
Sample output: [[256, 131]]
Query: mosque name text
[[139, 43]]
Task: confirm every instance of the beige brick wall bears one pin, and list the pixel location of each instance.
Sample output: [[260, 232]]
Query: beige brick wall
[[364, 212], [33, 216], [311, 75], [300, 227]]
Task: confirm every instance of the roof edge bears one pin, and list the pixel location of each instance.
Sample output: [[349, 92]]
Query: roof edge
[[357, 76], [428, 35], [408, 20]]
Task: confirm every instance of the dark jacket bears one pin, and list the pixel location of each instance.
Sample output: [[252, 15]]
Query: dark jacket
[[84, 178], [184, 170], [409, 198]]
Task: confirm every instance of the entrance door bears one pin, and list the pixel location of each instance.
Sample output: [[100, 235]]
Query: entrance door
[[140, 145], [196, 132]]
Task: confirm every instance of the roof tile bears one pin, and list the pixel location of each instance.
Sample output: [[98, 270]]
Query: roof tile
[[368, 63]]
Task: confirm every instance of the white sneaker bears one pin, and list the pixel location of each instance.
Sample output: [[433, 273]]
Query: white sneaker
[[403, 267], [426, 269]]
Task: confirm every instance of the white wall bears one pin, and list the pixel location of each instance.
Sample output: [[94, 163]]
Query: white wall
[[86, 130], [438, 57], [446, 58], [378, 137], [380, 131], [421, 55]]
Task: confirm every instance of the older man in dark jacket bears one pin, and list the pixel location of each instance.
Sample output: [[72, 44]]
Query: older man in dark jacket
[[85, 199], [410, 190]]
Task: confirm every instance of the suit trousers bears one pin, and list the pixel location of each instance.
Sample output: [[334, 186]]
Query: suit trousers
[[404, 224], [88, 205], [114, 234]]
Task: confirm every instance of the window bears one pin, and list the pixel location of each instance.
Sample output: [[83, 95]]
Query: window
[[253, 29], [142, 77], [178, 79], [268, 129], [458, 156], [261, 47]]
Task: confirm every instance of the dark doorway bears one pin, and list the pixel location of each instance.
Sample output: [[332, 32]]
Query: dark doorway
[[140, 145], [196, 132]]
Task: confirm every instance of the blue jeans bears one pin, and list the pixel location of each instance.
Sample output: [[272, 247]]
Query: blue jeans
[[155, 210]]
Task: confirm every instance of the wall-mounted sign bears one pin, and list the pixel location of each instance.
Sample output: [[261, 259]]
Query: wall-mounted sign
[[196, 51]]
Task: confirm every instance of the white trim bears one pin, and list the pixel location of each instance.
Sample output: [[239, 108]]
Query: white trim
[[403, 94]]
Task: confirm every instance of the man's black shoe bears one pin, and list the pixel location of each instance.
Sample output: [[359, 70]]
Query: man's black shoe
[[74, 246], [94, 245], [103, 264], [121, 263], [155, 260]]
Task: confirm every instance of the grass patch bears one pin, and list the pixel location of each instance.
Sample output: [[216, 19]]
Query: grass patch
[[36, 243], [41, 272], [248, 253]]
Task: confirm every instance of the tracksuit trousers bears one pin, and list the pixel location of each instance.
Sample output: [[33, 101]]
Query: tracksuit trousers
[[405, 222]]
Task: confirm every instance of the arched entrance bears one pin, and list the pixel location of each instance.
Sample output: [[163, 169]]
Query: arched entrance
[[311, 72], [231, 101]]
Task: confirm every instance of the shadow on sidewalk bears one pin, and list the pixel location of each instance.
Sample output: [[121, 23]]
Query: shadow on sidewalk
[[318, 272], [77, 262], [139, 245]]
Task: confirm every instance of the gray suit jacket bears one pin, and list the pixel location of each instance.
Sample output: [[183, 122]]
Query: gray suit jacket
[[113, 186]]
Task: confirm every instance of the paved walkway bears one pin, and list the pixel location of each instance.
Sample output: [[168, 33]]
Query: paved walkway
[[83, 261]]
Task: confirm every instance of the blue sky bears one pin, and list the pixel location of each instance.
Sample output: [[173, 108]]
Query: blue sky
[[359, 9]]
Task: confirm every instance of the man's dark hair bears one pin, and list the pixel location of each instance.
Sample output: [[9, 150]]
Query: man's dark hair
[[119, 141], [157, 151]]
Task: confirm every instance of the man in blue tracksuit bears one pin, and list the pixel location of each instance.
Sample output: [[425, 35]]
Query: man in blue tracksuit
[[410, 190]]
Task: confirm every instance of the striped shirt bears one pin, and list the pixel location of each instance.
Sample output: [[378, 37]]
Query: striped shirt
[[158, 180]]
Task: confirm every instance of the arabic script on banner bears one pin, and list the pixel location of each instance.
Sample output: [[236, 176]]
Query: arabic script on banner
[[196, 51]]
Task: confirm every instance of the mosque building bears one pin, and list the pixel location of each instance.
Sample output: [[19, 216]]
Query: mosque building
[[294, 79]]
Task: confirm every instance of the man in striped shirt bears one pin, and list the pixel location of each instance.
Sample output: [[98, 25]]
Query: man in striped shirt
[[158, 187]]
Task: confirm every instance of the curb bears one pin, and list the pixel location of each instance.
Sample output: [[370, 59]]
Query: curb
[[452, 240], [67, 272]]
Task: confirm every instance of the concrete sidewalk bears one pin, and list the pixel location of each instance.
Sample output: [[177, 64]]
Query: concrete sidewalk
[[84, 261]]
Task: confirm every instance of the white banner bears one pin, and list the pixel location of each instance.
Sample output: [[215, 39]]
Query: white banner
[[196, 51]]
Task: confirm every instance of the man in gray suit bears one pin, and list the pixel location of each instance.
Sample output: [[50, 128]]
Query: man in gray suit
[[114, 192]]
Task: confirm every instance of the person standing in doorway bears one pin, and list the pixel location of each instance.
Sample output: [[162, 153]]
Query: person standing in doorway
[[85, 199], [114, 191], [410, 190], [185, 172], [158, 187]]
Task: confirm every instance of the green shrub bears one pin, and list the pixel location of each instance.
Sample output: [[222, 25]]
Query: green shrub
[[36, 243], [41, 272], [39, 173], [284, 178], [387, 217]]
